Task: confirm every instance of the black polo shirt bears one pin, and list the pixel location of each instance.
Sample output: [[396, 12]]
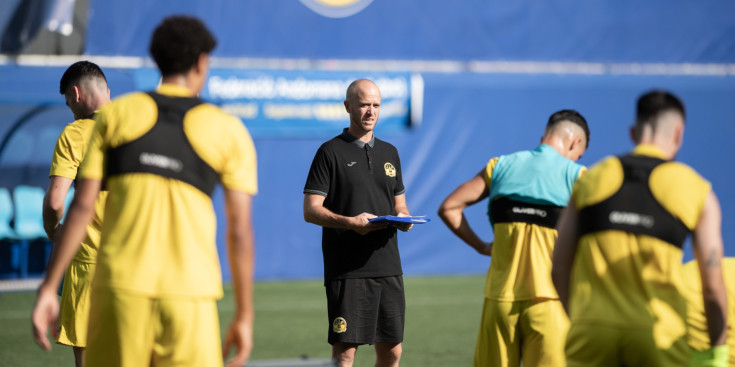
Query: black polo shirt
[[356, 177]]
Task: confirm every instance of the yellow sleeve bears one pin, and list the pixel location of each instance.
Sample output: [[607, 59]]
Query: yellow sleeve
[[488, 174], [67, 155], [233, 154], [689, 184], [240, 169], [598, 183], [582, 172], [93, 164]]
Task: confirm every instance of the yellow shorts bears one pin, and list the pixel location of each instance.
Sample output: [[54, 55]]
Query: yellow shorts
[[598, 345], [126, 329], [74, 305], [531, 331]]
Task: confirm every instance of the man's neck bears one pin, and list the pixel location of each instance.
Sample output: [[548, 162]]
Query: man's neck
[[555, 142], [668, 150], [181, 80], [364, 136]]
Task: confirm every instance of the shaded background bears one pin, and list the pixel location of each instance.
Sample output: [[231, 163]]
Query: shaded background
[[492, 72]]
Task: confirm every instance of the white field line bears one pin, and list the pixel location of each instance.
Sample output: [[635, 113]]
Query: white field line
[[277, 306]]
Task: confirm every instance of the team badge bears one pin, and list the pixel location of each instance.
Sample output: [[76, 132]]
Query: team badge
[[390, 171], [336, 8], [339, 325]]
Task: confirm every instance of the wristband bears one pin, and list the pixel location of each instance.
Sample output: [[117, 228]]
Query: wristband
[[714, 357]]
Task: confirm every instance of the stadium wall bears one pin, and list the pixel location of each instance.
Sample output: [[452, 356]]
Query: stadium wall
[[672, 31], [490, 72], [468, 117]]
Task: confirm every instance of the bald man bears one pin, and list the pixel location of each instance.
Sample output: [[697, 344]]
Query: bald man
[[85, 90], [522, 319], [355, 177], [617, 261]]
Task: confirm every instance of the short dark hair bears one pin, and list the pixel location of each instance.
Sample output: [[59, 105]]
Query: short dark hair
[[571, 116], [78, 71], [178, 42], [654, 103]]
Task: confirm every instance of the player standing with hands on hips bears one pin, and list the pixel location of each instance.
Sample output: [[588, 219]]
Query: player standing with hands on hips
[[522, 319], [355, 177]]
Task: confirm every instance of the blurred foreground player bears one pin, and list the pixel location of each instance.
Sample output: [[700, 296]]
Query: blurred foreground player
[[85, 90], [620, 241], [158, 276], [702, 355], [522, 319]]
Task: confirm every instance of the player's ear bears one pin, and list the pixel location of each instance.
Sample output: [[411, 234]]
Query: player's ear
[[576, 143], [202, 63], [347, 106], [679, 134], [77, 93], [634, 134]]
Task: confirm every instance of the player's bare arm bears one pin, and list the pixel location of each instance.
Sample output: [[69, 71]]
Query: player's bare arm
[[316, 213], [53, 204], [240, 246], [707, 241], [564, 252], [401, 210], [451, 211], [46, 309]]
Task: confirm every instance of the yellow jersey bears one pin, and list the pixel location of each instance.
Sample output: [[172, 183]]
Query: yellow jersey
[[630, 280], [521, 257], [159, 235], [68, 156]]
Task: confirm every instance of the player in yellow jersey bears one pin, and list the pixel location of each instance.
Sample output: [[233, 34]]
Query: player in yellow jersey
[[84, 87], [522, 319], [696, 320], [617, 262], [158, 276]]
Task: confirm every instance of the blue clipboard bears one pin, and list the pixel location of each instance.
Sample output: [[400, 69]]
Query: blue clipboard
[[394, 219]]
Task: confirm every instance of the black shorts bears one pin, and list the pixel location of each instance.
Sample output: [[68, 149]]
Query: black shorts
[[366, 310]]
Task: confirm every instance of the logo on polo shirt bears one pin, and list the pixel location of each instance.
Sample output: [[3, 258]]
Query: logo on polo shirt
[[339, 325], [390, 171]]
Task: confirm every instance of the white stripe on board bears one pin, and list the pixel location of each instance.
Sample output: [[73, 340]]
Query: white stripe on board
[[414, 66]]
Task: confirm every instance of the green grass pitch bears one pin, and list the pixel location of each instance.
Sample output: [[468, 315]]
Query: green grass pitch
[[442, 318]]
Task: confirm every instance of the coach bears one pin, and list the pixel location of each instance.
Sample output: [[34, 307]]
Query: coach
[[355, 177]]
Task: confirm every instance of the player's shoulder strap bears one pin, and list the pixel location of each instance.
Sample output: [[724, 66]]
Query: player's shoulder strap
[[165, 150], [633, 208]]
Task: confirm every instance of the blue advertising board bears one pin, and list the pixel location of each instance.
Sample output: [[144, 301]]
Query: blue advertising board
[[594, 31], [302, 104], [308, 104]]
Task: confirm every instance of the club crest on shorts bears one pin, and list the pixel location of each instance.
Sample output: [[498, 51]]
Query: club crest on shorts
[[390, 171], [339, 325]]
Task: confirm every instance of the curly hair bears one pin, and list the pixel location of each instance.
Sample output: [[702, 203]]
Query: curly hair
[[178, 42]]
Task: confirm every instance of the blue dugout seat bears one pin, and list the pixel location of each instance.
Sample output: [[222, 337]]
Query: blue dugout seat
[[28, 202], [13, 250]]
